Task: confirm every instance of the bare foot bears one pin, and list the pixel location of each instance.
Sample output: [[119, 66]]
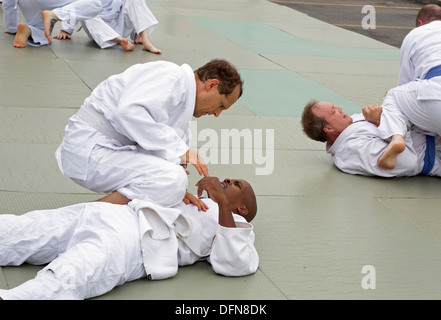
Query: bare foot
[[150, 47], [49, 19], [127, 45], [22, 35], [389, 158], [143, 38], [138, 39]]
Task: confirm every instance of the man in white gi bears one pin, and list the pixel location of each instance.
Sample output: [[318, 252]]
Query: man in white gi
[[356, 145], [92, 247], [132, 132], [117, 20], [420, 51], [41, 15]]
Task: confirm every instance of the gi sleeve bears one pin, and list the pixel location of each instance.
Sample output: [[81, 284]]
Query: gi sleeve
[[143, 112], [233, 252], [407, 70], [360, 154], [11, 12]]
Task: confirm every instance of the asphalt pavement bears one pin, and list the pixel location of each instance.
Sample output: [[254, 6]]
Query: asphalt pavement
[[385, 20]]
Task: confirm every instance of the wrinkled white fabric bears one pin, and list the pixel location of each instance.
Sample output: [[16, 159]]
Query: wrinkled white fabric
[[151, 104], [119, 18], [70, 12], [93, 247], [90, 248], [420, 52], [359, 146], [420, 102]]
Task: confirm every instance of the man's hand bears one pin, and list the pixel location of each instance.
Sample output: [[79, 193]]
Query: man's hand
[[216, 192], [195, 159], [190, 198], [213, 187], [63, 35], [373, 113]]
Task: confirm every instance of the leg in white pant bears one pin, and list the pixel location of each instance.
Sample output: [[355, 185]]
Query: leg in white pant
[[134, 18], [433, 119], [139, 19], [417, 101], [36, 237], [103, 35], [70, 14], [40, 19], [393, 121], [136, 175], [103, 252]]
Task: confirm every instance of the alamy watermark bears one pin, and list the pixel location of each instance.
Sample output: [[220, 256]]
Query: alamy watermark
[[370, 279], [369, 20], [234, 146]]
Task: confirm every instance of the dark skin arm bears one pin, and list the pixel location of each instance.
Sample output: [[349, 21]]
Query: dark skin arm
[[214, 188], [189, 198], [115, 197]]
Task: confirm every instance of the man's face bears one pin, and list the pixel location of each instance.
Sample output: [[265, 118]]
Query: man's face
[[235, 190], [336, 119], [210, 101]]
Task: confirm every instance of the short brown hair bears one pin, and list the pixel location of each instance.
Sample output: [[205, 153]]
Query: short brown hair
[[222, 70], [312, 124], [429, 13]]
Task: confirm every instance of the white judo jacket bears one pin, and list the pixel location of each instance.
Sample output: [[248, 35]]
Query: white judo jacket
[[90, 248], [359, 146], [420, 52], [182, 235], [149, 105]]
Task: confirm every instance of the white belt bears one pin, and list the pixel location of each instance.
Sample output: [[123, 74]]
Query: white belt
[[183, 236], [101, 124]]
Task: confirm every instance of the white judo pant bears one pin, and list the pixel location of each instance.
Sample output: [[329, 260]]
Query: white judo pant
[[130, 170], [134, 17], [135, 175], [393, 121], [90, 248], [68, 11], [425, 113]]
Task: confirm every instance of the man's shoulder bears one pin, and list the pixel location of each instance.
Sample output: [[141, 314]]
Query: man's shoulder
[[426, 28]]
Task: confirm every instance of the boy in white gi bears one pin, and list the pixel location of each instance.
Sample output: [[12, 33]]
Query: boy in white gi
[[132, 133], [92, 247], [356, 145], [41, 15], [117, 20]]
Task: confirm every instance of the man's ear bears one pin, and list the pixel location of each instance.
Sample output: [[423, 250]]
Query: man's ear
[[242, 210], [328, 129], [420, 23], [211, 83]]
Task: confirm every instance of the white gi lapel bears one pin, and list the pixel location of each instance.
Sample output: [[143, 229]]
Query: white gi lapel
[[158, 240]]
